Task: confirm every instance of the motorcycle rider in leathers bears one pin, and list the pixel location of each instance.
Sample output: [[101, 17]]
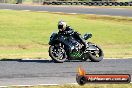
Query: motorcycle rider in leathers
[[67, 30]]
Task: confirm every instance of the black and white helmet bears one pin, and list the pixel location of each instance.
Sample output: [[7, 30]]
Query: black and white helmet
[[62, 25]]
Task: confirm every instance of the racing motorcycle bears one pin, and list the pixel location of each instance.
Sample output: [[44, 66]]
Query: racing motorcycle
[[63, 47]]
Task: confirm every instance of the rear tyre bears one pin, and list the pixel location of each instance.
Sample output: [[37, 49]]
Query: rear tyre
[[57, 54]]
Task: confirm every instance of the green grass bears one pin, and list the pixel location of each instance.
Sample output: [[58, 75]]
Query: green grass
[[26, 34], [85, 86]]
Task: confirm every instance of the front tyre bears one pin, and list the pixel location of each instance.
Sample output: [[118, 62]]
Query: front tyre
[[96, 55], [57, 53]]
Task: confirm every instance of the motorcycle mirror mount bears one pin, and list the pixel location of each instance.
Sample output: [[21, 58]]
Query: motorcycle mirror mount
[[87, 36]]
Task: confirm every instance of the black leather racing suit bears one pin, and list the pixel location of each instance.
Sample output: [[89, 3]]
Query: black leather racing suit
[[69, 31]]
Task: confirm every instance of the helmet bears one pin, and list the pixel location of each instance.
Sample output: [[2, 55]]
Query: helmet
[[62, 25]]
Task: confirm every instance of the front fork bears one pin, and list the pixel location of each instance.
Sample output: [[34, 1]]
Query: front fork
[[91, 48]]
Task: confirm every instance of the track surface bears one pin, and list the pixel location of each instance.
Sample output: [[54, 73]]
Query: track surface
[[71, 9], [33, 72]]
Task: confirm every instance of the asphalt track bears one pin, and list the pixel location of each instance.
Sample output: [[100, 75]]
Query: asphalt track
[[71, 9], [34, 72]]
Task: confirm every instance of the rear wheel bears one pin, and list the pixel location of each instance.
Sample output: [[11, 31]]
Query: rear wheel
[[57, 53]]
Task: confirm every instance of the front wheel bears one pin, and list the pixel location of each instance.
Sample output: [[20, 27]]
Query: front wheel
[[97, 54], [57, 53]]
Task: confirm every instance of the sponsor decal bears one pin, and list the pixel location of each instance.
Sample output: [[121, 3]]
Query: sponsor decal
[[83, 78]]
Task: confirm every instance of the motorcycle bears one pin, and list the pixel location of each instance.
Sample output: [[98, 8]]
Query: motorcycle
[[63, 47]]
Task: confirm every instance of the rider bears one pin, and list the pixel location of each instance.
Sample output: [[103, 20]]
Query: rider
[[67, 30]]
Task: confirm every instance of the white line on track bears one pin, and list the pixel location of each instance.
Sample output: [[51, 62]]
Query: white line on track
[[56, 12], [41, 11], [72, 13], [48, 84], [7, 9], [22, 85], [26, 10], [3, 86]]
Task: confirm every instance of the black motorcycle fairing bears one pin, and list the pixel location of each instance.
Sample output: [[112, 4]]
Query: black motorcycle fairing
[[53, 38], [70, 43]]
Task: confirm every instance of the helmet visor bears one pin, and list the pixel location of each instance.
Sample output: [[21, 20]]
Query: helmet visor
[[60, 26]]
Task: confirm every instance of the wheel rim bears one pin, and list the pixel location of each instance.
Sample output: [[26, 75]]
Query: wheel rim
[[97, 53], [58, 52]]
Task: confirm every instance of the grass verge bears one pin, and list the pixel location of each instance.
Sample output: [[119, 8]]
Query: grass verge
[[85, 86], [26, 34]]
